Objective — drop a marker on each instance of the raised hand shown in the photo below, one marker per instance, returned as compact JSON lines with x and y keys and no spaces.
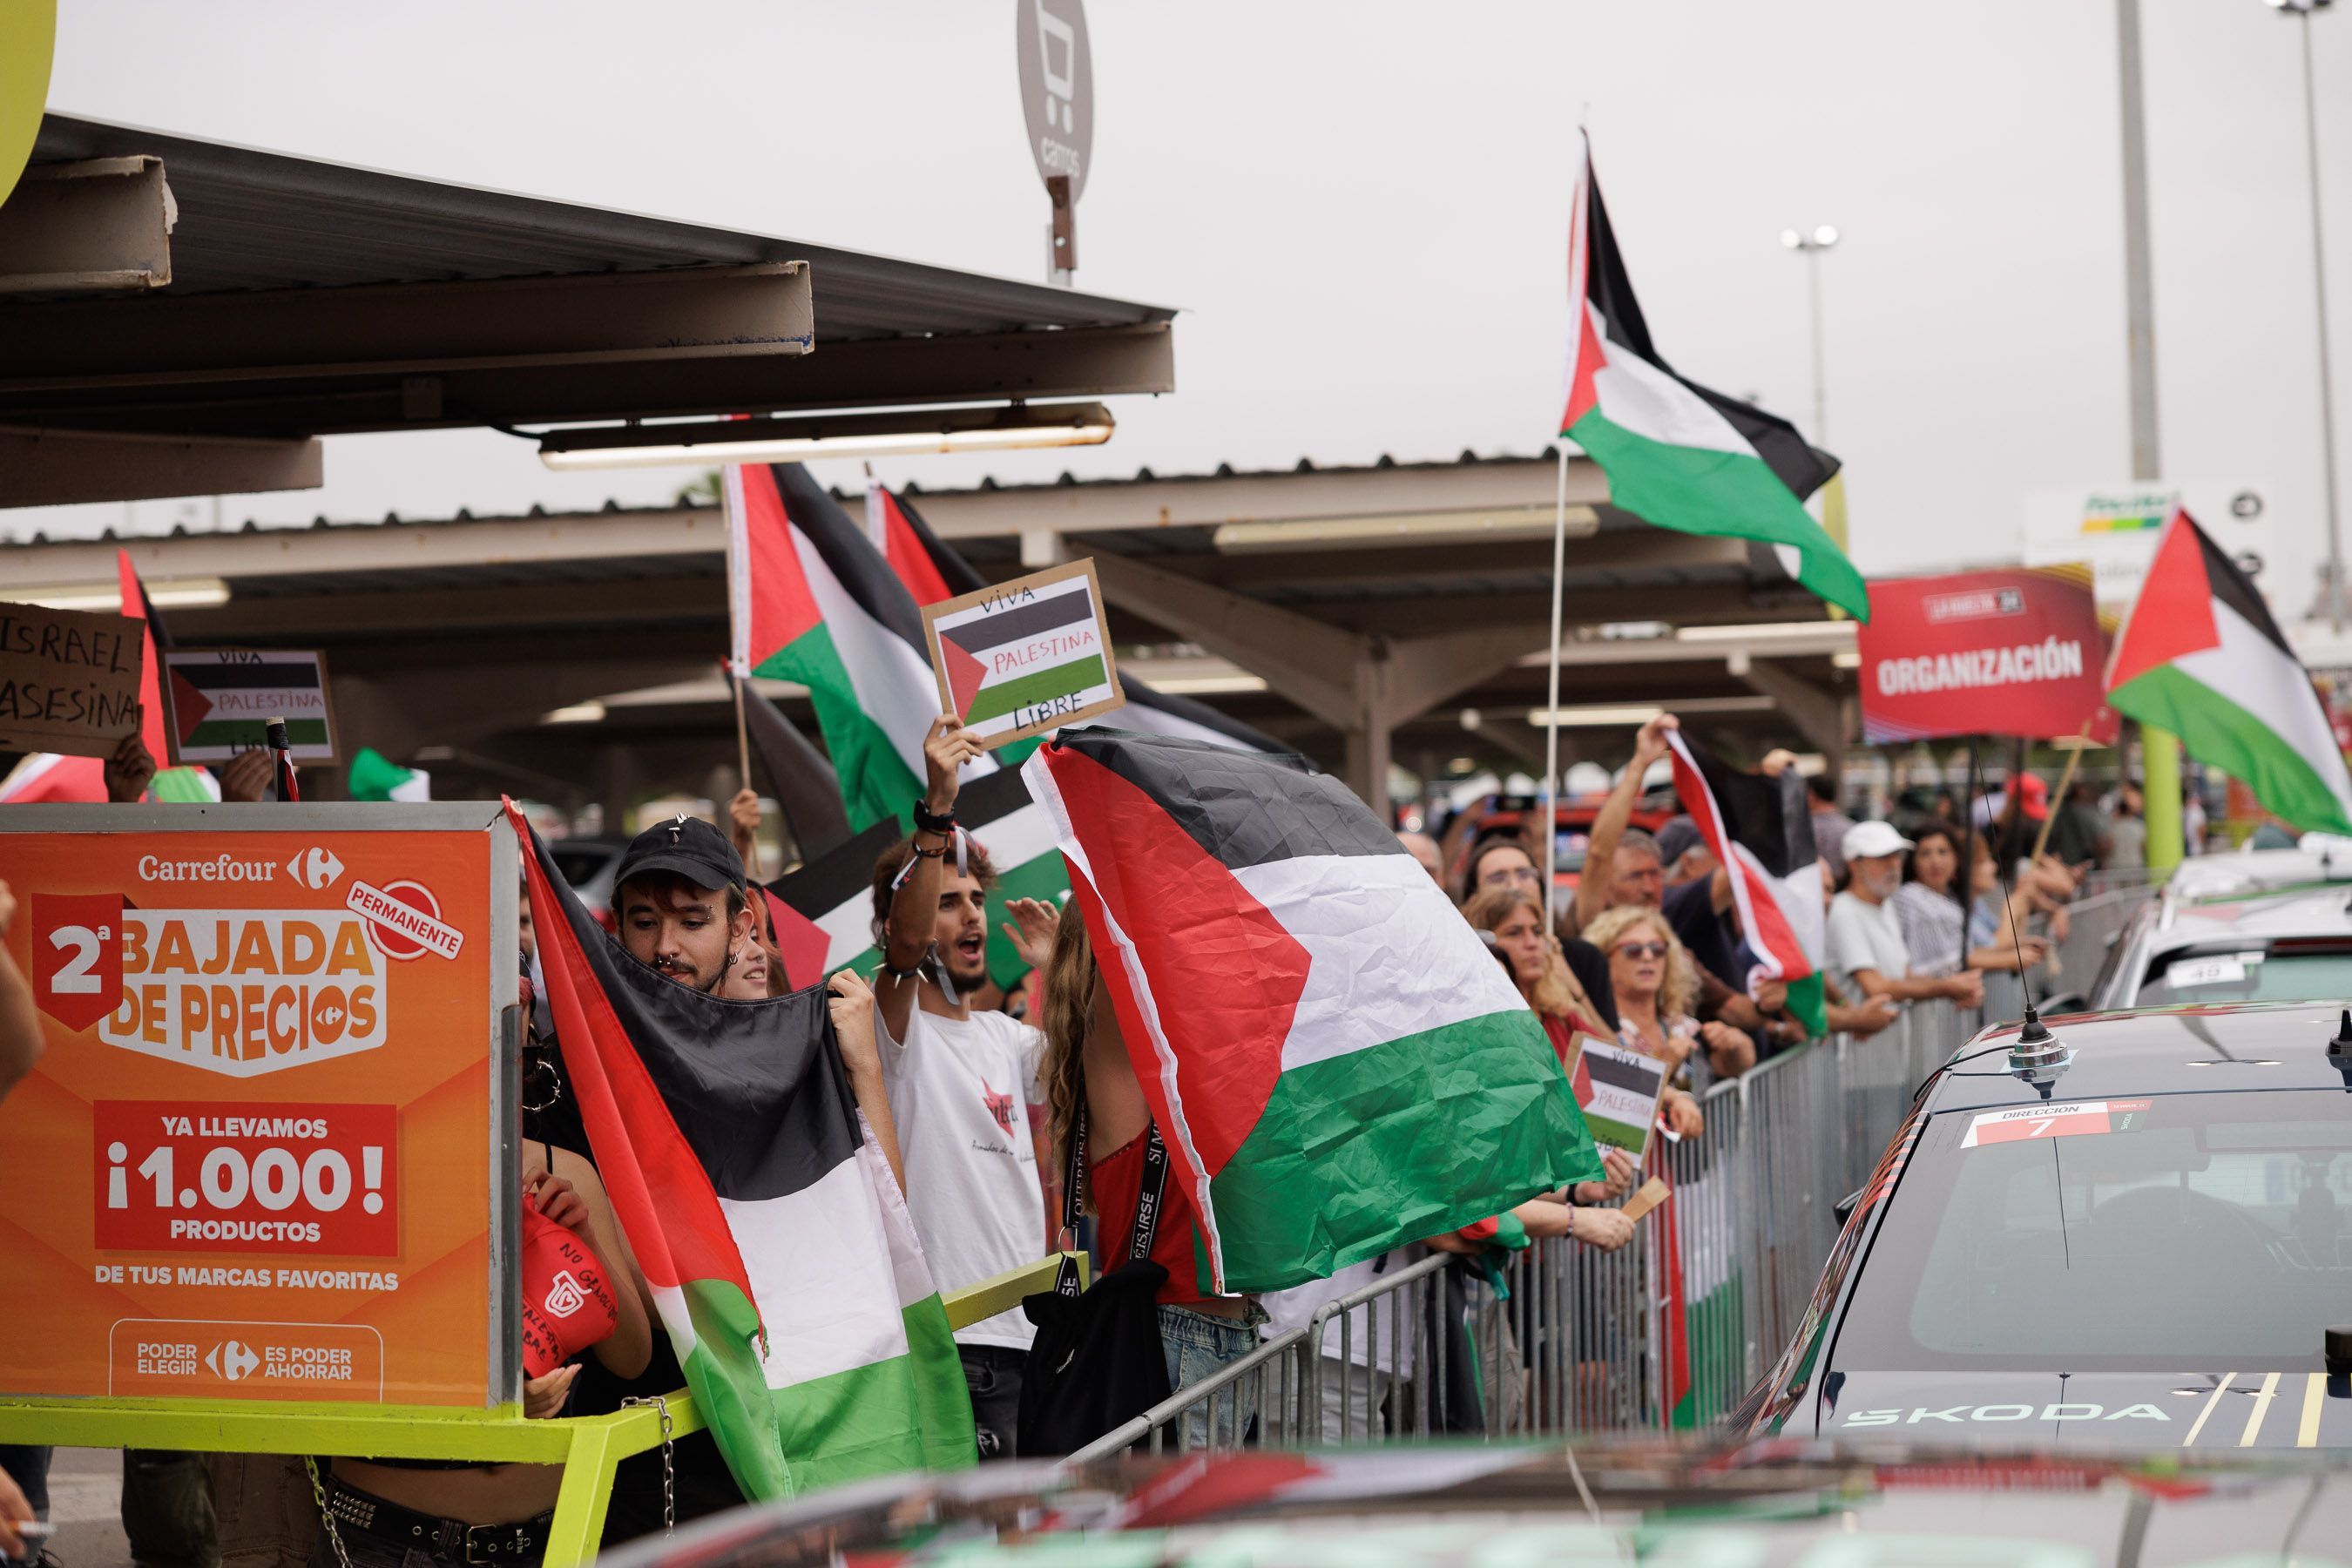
{"x":129,"y":771}
{"x":945,"y":748}
{"x":1031,"y":928}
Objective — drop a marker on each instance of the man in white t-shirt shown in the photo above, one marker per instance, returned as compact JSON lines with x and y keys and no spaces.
{"x":961,"y":1080}
{"x":1866,"y":952}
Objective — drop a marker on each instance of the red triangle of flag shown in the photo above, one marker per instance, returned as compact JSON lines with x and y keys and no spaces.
{"x":2174,"y":613}
{"x":800,"y":941}
{"x":965,"y":674}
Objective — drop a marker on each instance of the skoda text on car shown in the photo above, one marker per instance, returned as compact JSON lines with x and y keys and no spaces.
{"x":2149,"y":1248}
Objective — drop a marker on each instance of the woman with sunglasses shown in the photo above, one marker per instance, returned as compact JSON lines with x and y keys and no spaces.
{"x":1655,"y":982}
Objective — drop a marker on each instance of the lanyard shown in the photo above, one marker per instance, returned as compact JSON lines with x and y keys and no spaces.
{"x":1151,"y":1191}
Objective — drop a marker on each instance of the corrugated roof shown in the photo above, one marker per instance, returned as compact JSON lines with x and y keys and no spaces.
{"x":254,"y":219}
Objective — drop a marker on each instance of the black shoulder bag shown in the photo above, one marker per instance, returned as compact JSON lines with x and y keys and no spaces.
{"x":1096,"y":1362}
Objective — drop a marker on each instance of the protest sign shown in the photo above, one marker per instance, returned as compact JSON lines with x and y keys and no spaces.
{"x":1647,"y":1196}
{"x":221,"y":700}
{"x":1618,"y":1090}
{"x":256,"y":1159}
{"x":2012,"y":652}
{"x":1024,"y":656}
{"x":68,"y":679}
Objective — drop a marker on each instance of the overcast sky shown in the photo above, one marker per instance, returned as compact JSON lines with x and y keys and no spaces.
{"x":1361,"y":207}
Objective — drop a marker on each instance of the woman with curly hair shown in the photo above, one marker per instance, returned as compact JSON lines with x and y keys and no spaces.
{"x":1656,"y":984}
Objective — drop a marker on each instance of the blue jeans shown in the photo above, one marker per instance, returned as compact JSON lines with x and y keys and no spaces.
{"x":1198,"y":1346}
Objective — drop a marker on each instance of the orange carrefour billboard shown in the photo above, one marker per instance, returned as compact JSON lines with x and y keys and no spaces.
{"x":254,"y":1161}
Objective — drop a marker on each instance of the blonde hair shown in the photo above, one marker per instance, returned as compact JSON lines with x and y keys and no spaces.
{"x":1679,"y":994}
{"x":1557,"y":994}
{"x":1067,"y":1012}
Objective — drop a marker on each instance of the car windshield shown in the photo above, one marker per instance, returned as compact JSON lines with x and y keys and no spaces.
{"x":2168,"y":1233}
{"x":2314,"y":971}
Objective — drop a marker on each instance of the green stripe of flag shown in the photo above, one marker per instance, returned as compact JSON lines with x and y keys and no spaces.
{"x":1349,"y":1142}
{"x":2222,"y":733}
{"x":874,"y":782}
{"x":884,"y":1417}
{"x":1060,"y":680}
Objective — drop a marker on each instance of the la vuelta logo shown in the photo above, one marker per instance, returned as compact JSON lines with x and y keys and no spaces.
{"x":237,"y":992}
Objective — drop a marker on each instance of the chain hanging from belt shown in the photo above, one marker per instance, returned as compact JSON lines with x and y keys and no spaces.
{"x":326,"y":1513}
{"x":670,"y":1462}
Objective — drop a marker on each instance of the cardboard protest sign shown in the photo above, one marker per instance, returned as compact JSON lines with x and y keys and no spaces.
{"x":1024,"y":656}
{"x":1647,"y":1196}
{"x":221,"y":700}
{"x":1618,"y":1090}
{"x":68,"y":679}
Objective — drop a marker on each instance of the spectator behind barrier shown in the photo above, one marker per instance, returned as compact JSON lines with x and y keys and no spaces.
{"x":1934,"y":919}
{"x":1655,"y":982}
{"x":1087,"y":1066}
{"x":962,"y":1078}
{"x":1539,"y":966}
{"x":1866,"y":951}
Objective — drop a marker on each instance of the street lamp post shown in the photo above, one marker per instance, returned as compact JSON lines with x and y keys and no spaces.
{"x":1811,"y":245}
{"x":2301,"y":10}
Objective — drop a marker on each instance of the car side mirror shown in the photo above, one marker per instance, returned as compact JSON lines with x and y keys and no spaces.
{"x":2066,"y":1002}
{"x":1843,"y":1208}
{"x":2336,"y":1345}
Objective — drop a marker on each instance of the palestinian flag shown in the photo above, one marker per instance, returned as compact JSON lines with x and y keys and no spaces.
{"x":44,"y":777}
{"x":770,"y":1229}
{"x":225,"y":704}
{"x":1762,"y":830}
{"x":1679,"y":455}
{"x":806,"y":789}
{"x":374,"y":777}
{"x":812,"y":601}
{"x":823,"y":912}
{"x":2198,"y":655}
{"x":1335,"y":1058}
{"x":932,"y":571}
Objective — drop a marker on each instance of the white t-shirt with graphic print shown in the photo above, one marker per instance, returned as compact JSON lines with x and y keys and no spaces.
{"x":961,"y":1093}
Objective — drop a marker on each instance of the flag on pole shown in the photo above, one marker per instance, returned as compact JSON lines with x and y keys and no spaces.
{"x":2198,"y":655}
{"x":807,"y":789}
{"x":374,"y":777}
{"x":813,"y":602}
{"x":1679,"y":455}
{"x":773,"y":1237}
{"x":1335,"y":1061}
{"x":1761,"y":830}
{"x":933,"y":571}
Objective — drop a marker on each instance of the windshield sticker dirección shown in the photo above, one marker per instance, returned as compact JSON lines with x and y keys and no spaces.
{"x":2079,"y":1119}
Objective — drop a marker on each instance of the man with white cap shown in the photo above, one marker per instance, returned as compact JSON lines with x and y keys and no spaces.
{"x":1866,"y":951}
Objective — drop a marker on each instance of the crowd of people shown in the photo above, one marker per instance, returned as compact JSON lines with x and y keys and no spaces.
{"x":989,"y":1105}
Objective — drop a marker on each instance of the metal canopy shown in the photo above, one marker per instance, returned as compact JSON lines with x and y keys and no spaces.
{"x":298,"y":290}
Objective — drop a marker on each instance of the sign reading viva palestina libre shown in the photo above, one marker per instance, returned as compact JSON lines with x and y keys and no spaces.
{"x":2017,"y":652}
{"x":252,"y":1163}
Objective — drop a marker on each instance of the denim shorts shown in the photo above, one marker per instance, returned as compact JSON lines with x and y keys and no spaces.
{"x":1198,"y":1346}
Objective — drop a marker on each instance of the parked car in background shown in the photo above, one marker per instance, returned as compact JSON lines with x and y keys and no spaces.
{"x":2255,"y":926}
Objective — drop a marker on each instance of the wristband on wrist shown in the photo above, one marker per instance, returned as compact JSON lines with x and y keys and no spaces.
{"x":926,"y":821}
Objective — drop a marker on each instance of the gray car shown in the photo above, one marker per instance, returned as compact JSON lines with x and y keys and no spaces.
{"x":2265,"y":926}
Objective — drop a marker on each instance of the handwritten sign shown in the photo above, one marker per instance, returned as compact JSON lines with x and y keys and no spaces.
{"x":221,"y":700}
{"x":68,"y":679}
{"x":1619,"y":1091}
{"x":1024,"y":656}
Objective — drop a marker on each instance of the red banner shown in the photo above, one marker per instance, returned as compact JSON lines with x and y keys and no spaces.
{"x":2015,"y":652}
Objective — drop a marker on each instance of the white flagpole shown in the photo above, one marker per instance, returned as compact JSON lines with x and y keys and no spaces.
{"x":1551,"y":714}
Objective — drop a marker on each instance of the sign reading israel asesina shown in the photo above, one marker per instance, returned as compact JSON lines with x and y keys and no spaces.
{"x":2010,"y":652}
{"x":1024,"y":656}
{"x":254,"y":1160}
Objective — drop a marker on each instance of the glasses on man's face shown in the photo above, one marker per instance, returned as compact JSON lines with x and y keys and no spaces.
{"x":1641,"y":950}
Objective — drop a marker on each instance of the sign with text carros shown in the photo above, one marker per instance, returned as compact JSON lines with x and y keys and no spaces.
{"x":2015,"y":652}
{"x":255,"y":1160}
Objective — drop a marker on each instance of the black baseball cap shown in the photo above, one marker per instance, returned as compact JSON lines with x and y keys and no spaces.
{"x":685,"y":846}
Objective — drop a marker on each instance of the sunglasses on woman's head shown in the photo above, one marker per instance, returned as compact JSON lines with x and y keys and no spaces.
{"x":1640,"y":949}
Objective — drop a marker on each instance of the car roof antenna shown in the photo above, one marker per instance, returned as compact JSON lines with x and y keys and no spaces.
{"x":2037,"y":1057}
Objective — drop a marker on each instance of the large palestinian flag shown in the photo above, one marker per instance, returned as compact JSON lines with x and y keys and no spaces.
{"x":770,"y":1229}
{"x":2198,"y":655}
{"x":1336,"y":1061}
{"x":933,"y":571}
{"x":1679,"y":455}
{"x":1761,"y":829}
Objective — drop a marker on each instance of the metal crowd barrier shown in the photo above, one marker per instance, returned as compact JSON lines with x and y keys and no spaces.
{"x":1669,"y":1330}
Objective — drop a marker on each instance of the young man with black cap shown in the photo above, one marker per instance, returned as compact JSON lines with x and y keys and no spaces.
{"x":683,"y":908}
{"x":962,"y":1079}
